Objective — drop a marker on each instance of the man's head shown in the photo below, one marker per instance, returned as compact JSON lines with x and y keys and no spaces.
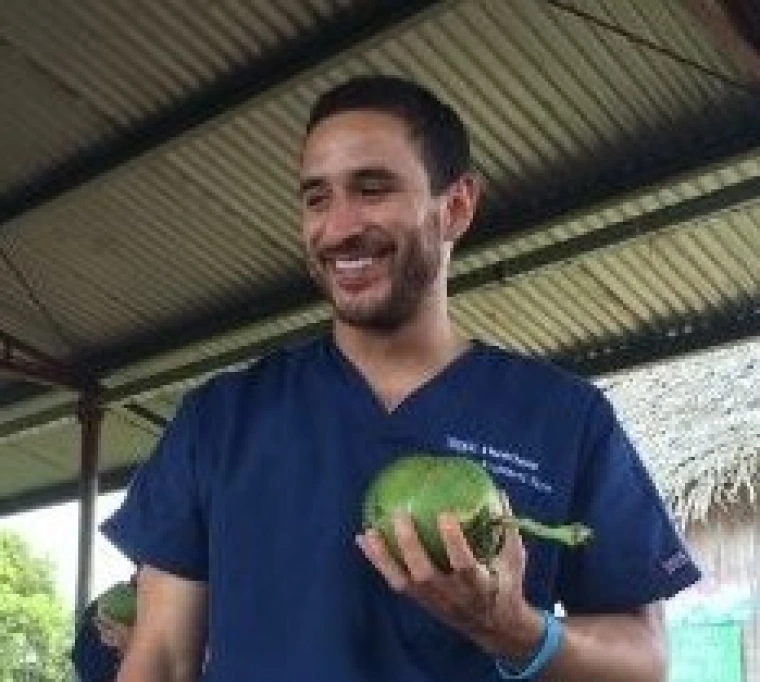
{"x":386,"y":190}
{"x":434,"y":127}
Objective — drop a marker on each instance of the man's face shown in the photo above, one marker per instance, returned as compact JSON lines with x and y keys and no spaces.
{"x":373,"y":232}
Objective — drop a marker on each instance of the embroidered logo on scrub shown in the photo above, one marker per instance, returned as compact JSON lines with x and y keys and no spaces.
{"x":675,"y":562}
{"x":502,"y":463}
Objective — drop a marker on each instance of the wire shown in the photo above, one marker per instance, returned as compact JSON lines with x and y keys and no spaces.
{"x":654,"y":47}
{"x":41,"y":307}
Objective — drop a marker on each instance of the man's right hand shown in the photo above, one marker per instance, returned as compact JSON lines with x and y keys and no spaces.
{"x":112,"y":633}
{"x":169,"y":637}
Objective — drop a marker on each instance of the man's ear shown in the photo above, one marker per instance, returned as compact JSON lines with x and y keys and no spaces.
{"x":460,"y":202}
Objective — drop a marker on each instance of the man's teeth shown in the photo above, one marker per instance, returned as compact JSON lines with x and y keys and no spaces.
{"x":354,"y":264}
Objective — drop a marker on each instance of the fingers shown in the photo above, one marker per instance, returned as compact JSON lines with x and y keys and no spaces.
{"x":461,"y":558}
{"x":105,"y":620}
{"x":100,"y":625}
{"x":107,"y":635}
{"x":471,"y":597}
{"x":111,"y":632}
{"x":510,"y":564}
{"x":413,"y":554}
{"x":464,"y":597}
{"x":512,"y":538}
{"x":415,"y":564}
{"x":374,"y":549}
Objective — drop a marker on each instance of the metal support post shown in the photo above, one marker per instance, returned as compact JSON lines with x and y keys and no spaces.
{"x":90,"y":415}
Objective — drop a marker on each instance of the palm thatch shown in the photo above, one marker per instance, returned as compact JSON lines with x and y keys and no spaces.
{"x":697,"y":424}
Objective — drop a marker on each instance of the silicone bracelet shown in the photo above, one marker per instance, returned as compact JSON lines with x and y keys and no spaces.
{"x":551,"y":640}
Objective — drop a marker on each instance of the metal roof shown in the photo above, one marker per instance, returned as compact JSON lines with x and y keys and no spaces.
{"x":148,"y":216}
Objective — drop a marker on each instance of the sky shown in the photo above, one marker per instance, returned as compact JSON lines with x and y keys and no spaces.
{"x":52,"y":532}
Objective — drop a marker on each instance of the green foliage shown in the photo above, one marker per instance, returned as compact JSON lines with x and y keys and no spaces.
{"x":35,"y":629}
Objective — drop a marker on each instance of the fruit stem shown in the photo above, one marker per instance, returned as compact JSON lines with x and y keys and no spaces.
{"x":572,"y":534}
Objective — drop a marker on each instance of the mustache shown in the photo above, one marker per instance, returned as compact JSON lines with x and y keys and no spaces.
{"x":368,"y":243}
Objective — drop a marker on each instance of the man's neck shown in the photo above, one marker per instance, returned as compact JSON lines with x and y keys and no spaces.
{"x":396,"y":363}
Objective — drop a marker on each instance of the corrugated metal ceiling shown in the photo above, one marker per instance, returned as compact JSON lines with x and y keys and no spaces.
{"x":654,"y":285}
{"x":92,"y":70}
{"x":165,"y":259}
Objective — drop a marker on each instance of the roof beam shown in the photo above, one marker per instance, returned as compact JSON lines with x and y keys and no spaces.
{"x":18,"y":368}
{"x":155,"y":423}
{"x":65,"y":491}
{"x":727,"y":198}
{"x":126,"y":394}
{"x":677,"y":340}
{"x":20,"y":361}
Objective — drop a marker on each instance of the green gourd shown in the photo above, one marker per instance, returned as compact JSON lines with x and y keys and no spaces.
{"x":424,"y":485}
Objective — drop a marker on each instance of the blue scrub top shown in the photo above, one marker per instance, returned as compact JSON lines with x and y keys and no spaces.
{"x":256,"y":488}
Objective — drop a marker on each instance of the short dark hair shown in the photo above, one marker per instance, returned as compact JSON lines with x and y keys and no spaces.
{"x":434,"y":126}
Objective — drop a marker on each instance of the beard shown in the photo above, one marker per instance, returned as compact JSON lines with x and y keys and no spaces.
{"x":414,"y":265}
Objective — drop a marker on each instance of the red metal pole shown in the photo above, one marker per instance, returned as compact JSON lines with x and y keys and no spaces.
{"x":90,"y":414}
{"x":21,"y":361}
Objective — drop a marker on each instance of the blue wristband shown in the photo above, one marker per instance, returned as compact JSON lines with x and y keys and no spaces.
{"x":549,"y":645}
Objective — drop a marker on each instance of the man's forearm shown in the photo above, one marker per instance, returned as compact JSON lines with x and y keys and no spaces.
{"x":152,"y":666}
{"x":611,"y":648}
{"x":626,"y":647}
{"x":169,"y":638}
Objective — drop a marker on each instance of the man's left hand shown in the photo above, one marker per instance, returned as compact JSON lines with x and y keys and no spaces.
{"x":483,"y":602}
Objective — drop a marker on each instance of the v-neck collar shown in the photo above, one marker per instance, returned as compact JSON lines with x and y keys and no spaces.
{"x":361,"y":387}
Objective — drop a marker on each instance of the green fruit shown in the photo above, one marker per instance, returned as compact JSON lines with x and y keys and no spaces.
{"x":424,"y":486}
{"x":119,"y":603}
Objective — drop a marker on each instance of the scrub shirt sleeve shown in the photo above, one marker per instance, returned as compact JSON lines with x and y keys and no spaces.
{"x":162,"y":521}
{"x":637,"y":555}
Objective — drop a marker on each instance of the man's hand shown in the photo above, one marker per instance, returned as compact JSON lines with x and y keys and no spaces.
{"x":485,"y":603}
{"x":112,"y":633}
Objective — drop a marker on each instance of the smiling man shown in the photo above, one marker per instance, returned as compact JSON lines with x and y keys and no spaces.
{"x":247,"y":516}
{"x":372,"y":241}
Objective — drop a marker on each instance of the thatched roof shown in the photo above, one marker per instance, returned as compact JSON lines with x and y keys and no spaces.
{"x":697,"y":423}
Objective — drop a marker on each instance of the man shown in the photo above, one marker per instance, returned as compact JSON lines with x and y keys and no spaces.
{"x":247,"y":516}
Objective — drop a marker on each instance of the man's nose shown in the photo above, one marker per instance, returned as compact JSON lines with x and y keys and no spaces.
{"x":342,"y":219}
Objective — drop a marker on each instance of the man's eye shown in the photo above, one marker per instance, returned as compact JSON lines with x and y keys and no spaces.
{"x":314,"y":200}
{"x":374,"y":188}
